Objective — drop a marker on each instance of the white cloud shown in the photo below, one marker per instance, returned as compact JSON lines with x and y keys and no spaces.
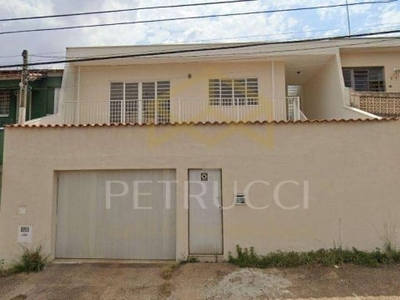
{"x":288,"y":25}
{"x":390,"y":16}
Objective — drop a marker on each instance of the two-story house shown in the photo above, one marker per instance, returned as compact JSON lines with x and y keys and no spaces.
{"x":160,"y":152}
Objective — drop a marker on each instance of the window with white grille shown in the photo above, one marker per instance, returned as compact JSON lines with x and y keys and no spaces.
{"x":163,"y":101}
{"x":233,"y":92}
{"x":4,"y":103}
{"x":367,"y":79}
{"x":140,"y":102}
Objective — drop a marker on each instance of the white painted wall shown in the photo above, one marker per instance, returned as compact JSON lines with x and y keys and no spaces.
{"x":92,"y":83}
{"x":324,"y":95}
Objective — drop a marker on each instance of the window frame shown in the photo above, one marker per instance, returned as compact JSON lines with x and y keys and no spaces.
{"x":220,"y":88}
{"x":159,"y":105}
{"x":371,"y":84}
{"x":6,"y":97}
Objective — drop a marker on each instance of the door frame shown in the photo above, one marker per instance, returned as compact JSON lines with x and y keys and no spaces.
{"x":221,"y":210}
{"x":56,"y":199}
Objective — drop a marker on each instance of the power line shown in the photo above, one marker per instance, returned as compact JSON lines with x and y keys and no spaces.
{"x":44,"y":57}
{"x":212,"y":48}
{"x":231,"y":57}
{"x":117,"y":67}
{"x":121,"y":10}
{"x":197,"y":17}
{"x":42,"y":54}
{"x":264,"y":35}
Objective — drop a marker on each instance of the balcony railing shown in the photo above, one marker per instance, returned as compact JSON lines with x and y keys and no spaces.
{"x":377,"y":103}
{"x":161,"y":111}
{"x":293,"y":108}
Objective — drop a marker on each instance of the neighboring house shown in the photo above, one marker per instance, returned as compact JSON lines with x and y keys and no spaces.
{"x":373,"y":75}
{"x":159,"y":152}
{"x":42,"y":96}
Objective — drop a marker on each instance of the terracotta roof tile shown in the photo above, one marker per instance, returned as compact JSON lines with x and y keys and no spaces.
{"x":201,"y":123}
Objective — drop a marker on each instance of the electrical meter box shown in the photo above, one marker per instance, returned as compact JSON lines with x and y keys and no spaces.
{"x":25,"y":234}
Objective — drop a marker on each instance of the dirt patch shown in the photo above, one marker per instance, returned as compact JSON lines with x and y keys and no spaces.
{"x":249,"y":284}
{"x":201,"y":281}
{"x":86,"y":282}
{"x":19,"y":297}
{"x":190,"y":281}
{"x":345,"y":281}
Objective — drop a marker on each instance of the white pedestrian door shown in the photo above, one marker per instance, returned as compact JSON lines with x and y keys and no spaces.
{"x":205,"y":212}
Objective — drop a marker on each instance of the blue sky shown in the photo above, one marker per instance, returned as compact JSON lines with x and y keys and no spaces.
{"x":266,"y":27}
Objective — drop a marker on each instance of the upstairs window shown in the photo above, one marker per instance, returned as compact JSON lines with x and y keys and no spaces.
{"x":140,"y":102}
{"x":365,"y":79}
{"x":233,"y":92}
{"x":4,"y":103}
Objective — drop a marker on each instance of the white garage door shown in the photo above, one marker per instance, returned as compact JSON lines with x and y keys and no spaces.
{"x":116,"y":214}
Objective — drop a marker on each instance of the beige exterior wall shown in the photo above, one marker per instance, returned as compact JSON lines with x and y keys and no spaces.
{"x":188,"y":95}
{"x":352,"y":178}
{"x":388,"y":60}
{"x":324,"y":95}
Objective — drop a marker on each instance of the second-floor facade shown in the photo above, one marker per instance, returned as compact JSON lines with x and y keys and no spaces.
{"x":226,"y":82}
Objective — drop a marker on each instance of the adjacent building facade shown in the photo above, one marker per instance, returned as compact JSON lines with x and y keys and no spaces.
{"x":42,"y":100}
{"x":160,"y":152}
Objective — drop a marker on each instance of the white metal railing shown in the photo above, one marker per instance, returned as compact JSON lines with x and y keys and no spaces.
{"x":293,"y":108}
{"x":174,"y":110}
{"x":378,"y":103}
{"x":303,"y":116}
{"x":164,"y":111}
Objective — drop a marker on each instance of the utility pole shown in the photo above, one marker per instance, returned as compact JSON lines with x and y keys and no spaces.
{"x":23,"y":89}
{"x":348,"y":18}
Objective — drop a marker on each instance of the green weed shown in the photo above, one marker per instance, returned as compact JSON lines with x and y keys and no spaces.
{"x":324,"y":257}
{"x":31,"y":260}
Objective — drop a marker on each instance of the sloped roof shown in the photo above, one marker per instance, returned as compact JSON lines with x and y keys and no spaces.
{"x":201,"y":123}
